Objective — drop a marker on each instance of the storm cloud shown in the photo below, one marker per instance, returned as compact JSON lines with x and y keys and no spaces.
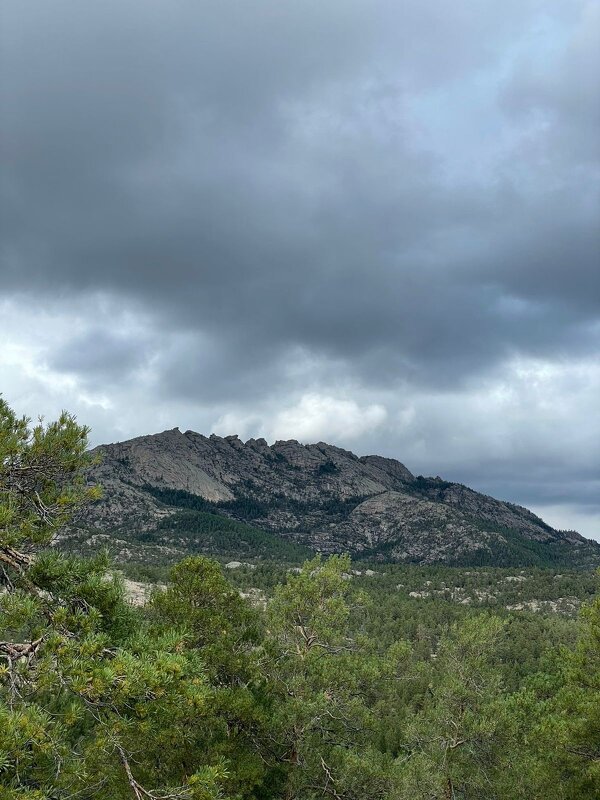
{"x":374,"y":223}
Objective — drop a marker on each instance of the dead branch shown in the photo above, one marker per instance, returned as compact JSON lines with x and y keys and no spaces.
{"x":139,"y":792}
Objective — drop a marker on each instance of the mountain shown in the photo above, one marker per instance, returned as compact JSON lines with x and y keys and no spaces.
{"x":173,"y":493}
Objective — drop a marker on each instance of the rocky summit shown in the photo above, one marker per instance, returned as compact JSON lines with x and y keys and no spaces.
{"x":173,"y":493}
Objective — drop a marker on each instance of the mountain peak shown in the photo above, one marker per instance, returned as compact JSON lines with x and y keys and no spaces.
{"x":318,"y":495}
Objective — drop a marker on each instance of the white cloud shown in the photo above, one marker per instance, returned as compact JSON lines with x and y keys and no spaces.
{"x":322,"y":416}
{"x":314,"y":416}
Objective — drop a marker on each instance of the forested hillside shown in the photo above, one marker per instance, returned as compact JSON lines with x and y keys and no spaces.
{"x":273,"y":682}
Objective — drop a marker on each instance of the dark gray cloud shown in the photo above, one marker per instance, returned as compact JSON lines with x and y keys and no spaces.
{"x":378,"y":200}
{"x":102,"y":355}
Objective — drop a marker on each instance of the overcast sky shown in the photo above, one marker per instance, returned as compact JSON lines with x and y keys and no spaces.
{"x":371,"y":222}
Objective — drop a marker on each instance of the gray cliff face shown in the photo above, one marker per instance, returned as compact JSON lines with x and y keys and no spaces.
{"x":317,"y":495}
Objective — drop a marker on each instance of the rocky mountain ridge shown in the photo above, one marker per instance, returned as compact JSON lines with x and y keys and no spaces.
{"x":168,"y":487}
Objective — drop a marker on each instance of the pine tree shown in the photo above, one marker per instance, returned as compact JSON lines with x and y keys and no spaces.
{"x":459,"y":742}
{"x":89,"y":703}
{"x":326,"y":685}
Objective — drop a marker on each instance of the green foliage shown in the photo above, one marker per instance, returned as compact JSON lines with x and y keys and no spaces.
{"x":213,"y":533}
{"x":571,"y":725}
{"x":515,"y":550}
{"x":204,"y":528}
{"x":328,"y":468}
{"x":458,"y":741}
{"x":334,"y":684}
{"x":326,"y":686}
{"x":90,"y":701}
{"x":41,"y":478}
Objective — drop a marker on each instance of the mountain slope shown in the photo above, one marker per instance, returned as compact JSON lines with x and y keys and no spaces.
{"x":316,"y":495}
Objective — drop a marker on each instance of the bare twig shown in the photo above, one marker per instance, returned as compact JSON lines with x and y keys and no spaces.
{"x":139,"y":792}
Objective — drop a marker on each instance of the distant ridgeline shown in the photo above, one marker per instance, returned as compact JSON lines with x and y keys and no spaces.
{"x":176,"y":493}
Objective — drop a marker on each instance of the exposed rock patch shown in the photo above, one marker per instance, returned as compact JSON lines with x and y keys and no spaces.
{"x":317,"y":495}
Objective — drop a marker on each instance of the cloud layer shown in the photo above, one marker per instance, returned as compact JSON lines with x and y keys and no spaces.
{"x":370,"y":223}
